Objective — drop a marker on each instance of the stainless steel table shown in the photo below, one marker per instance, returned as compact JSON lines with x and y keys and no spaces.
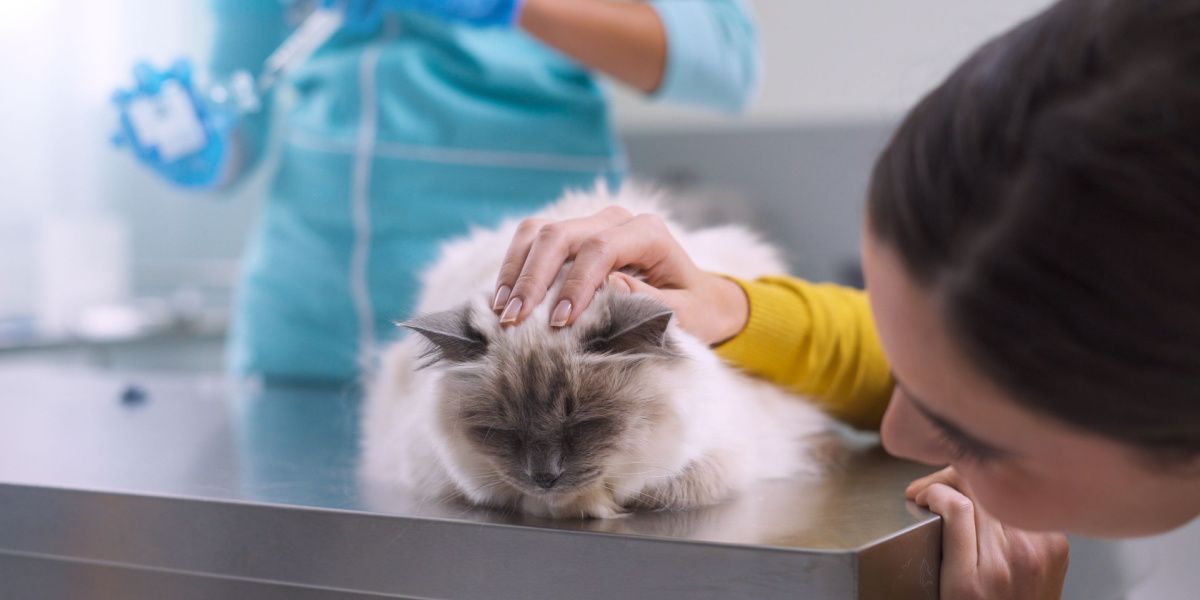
{"x":194,"y":487}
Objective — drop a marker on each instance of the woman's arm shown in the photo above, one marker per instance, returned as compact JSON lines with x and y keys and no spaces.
{"x":247,"y":31}
{"x":692,"y":51}
{"x":623,"y":40}
{"x":819,"y":340}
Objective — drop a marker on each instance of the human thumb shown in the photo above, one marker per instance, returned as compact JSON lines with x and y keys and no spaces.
{"x":627,"y":284}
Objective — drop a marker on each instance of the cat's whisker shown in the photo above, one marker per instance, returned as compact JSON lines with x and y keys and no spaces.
{"x":643,"y":465}
{"x":639,"y":494}
{"x":649,"y":476}
{"x":656,"y":471}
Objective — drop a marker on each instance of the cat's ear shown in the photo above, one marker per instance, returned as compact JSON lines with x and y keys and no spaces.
{"x":635,"y":325}
{"x":451,"y":336}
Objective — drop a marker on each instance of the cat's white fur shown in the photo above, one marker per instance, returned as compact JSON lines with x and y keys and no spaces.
{"x":740,"y":429}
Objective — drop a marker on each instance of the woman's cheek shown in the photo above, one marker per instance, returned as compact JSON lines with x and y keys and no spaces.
{"x":1009,"y":496}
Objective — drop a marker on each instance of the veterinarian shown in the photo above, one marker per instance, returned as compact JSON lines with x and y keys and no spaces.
{"x":1033,"y":316}
{"x":424,"y":116}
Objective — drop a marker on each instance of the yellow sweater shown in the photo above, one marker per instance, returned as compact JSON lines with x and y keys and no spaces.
{"x":818,"y":340}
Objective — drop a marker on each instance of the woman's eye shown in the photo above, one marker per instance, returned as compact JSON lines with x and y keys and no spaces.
{"x":964,"y":452}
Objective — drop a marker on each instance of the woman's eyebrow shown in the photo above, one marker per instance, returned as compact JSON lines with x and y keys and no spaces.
{"x":953,"y":430}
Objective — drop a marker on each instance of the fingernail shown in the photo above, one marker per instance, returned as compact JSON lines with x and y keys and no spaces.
{"x":511,"y":311}
{"x":562,"y":312}
{"x":501,"y":297}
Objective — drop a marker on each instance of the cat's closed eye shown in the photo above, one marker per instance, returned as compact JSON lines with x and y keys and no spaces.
{"x":495,"y":437}
{"x":592,"y":431}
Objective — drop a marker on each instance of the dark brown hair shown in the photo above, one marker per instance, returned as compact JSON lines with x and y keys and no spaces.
{"x":1048,"y":194}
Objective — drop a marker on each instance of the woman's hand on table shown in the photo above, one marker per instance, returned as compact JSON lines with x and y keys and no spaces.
{"x":981,"y":557}
{"x":605,"y":247}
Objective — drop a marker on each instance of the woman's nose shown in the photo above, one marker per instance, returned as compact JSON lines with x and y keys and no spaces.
{"x":907,"y":434}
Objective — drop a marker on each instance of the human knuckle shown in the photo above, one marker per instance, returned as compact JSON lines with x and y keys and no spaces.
{"x":1024,"y":557}
{"x":507,"y":275}
{"x":573,"y":284}
{"x":597,"y":246}
{"x":551,"y":233}
{"x":530,"y":226}
{"x":616,"y":211}
{"x":962,"y":506}
{"x":1052,"y":555}
{"x":1058,"y":546}
{"x":651,"y":221}
{"x":526,"y":282}
{"x":951,"y":505}
{"x":950,"y":477}
{"x":513,"y":261}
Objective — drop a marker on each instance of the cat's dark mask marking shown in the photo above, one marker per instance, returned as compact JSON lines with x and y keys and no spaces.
{"x":551,"y":406}
{"x":451,"y":335}
{"x":635,"y":325}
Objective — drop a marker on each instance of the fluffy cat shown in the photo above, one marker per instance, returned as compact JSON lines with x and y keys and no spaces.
{"x":621,"y":411}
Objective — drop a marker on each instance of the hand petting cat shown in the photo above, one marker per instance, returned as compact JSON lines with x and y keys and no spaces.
{"x":611,"y":245}
{"x":983,"y":558}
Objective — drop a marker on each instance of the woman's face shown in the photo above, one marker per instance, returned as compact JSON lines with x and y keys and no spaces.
{"x":1029,"y":470}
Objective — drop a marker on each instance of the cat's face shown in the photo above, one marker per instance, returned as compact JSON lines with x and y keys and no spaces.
{"x":550,"y":411}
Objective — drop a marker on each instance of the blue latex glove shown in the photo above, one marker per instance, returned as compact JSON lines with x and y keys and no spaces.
{"x":363,"y":14}
{"x":170,"y":128}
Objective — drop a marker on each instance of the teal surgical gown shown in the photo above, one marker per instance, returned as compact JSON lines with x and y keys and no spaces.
{"x":395,"y":138}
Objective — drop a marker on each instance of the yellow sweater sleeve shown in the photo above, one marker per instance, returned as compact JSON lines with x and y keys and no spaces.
{"x":818,"y":340}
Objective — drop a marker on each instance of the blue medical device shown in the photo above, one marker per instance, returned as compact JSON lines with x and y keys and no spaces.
{"x":180,"y":127}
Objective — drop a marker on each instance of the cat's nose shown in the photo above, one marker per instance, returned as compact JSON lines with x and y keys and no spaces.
{"x":546,"y":480}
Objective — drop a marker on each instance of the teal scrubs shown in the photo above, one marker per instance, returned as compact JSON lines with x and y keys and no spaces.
{"x":394,"y":139}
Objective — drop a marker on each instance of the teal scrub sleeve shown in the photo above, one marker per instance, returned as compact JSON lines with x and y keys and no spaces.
{"x":712,"y":53}
{"x":247,"y":32}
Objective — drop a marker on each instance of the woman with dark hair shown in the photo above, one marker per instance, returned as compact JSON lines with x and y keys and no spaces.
{"x":1033,"y":316}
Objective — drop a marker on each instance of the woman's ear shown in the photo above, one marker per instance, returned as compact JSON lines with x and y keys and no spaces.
{"x":451,"y":336}
{"x":633,"y":325}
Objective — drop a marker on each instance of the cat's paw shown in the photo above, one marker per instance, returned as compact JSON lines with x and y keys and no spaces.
{"x":536,"y":507}
{"x":590,"y":505}
{"x":593,"y":505}
{"x":595,"y":511}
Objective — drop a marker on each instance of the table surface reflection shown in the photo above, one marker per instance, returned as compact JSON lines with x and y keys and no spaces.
{"x":206,"y":438}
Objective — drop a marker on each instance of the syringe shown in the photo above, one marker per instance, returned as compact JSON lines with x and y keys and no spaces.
{"x":316,"y":29}
{"x":169,"y":118}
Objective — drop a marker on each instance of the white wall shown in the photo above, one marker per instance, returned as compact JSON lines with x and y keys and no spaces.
{"x":60,"y":61}
{"x":847,"y":60}
{"x":850,"y":60}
